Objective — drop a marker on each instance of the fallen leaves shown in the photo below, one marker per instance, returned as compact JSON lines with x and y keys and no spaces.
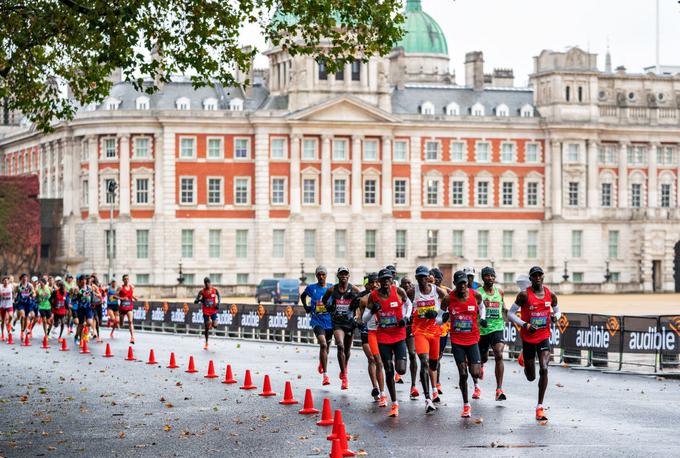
{"x":169,"y":405}
{"x":167,"y":428}
{"x":361,"y":452}
{"x":559,"y":385}
{"x":121,"y":435}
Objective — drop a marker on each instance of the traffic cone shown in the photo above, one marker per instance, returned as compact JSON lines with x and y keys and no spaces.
{"x":45,"y":344}
{"x":248,"y":382}
{"x":288,"y":395}
{"x":228,"y":377}
{"x":326,"y":415}
{"x":10,"y":339}
{"x":84,"y":349}
{"x":337,"y":421}
{"x":342,"y":438}
{"x":335,"y":449}
{"x":211,"y":371}
{"x":108,"y":353}
{"x":267,"y":389}
{"x":130,"y":355}
{"x":192,"y":368}
{"x":173,"y":364}
{"x":63,"y":345}
{"x":152,"y":358}
{"x":27,"y":343}
{"x":308,"y":408}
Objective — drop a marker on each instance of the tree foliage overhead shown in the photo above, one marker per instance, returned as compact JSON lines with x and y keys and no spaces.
{"x":46,"y":43}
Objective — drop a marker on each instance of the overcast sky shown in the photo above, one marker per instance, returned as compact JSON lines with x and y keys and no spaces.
{"x":511,"y":32}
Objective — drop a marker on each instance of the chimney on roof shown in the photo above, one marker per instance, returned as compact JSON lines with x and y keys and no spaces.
{"x":474,"y":70}
{"x":503,"y":77}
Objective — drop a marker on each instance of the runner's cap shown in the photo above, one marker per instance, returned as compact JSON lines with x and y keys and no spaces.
{"x":488,"y":271}
{"x":459,"y":277}
{"x":436,"y":273}
{"x":34,"y":278}
{"x":384,"y":273}
{"x":469,"y":271}
{"x":57,"y":278}
{"x":373,"y":276}
{"x":535,"y":270}
{"x":523,"y":282}
{"x":321,"y":270}
{"x":342,"y":269}
{"x":422,"y":271}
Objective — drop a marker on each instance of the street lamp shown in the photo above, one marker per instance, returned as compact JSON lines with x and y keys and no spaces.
{"x":303,"y":277}
{"x":180,"y":278}
{"x":565,"y":276}
{"x":607,"y":273}
{"x":111,"y":197}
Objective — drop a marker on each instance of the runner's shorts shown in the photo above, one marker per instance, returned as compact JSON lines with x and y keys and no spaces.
{"x":84,"y":313}
{"x":427,"y":345}
{"x":373,"y":343}
{"x":461,"y":352}
{"x":212,"y":317}
{"x":112,"y":307}
{"x":489,"y":341}
{"x":47,"y":313}
{"x":321,"y":331}
{"x":530,"y":350}
{"x":395,"y":350}
{"x":6,"y":311}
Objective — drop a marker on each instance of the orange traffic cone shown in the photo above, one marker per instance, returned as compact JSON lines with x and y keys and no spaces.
{"x":84,"y":349}
{"x":308,"y":408}
{"x":288,"y":395}
{"x":337,"y":421}
{"x":27,"y":343}
{"x":192,"y":368}
{"x":10,"y":339}
{"x":326,"y":415}
{"x":107,"y":353}
{"x":335,"y":449}
{"x":342,"y":438}
{"x":173,"y":364}
{"x":211,"y":371}
{"x":130,"y":355}
{"x":248,"y":382}
{"x":229,"y":377}
{"x":64,"y":347}
{"x":267,"y":389}
{"x":152,"y":358}
{"x":45,"y":344}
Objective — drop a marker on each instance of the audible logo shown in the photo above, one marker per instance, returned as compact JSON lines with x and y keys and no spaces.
{"x":652,"y":340}
{"x":595,"y":337}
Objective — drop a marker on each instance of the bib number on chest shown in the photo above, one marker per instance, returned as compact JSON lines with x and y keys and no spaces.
{"x":539,"y":322}
{"x":493,"y":310}
{"x":389,"y":321}
{"x":462,"y":325}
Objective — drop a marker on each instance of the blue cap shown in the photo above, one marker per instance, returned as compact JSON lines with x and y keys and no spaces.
{"x":422,"y":271}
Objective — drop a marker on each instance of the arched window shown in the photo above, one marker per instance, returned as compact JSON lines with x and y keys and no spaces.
{"x":142,"y":103}
{"x":111,"y":103}
{"x":452,"y":109}
{"x":502,"y":110}
{"x":527,"y":111}
{"x":477,"y":109}
{"x":427,"y":108}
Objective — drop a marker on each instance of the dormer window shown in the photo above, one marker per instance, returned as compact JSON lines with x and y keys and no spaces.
{"x":427,"y":108}
{"x":210,"y":104}
{"x":111,"y":103}
{"x":477,"y":109}
{"x":236,"y":104}
{"x":527,"y":111}
{"x":183,"y":103}
{"x":142,"y":103}
{"x":502,"y":110}
{"x":452,"y":109}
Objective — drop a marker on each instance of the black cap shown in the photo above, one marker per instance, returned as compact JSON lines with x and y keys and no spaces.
{"x":206,"y":280}
{"x":535,"y":270}
{"x":436,"y":273}
{"x":373,"y":276}
{"x":488,"y":270}
{"x":422,"y":271}
{"x":391,"y":268}
{"x":342,"y":269}
{"x":82,"y":277}
{"x":384,"y":273}
{"x":459,"y":277}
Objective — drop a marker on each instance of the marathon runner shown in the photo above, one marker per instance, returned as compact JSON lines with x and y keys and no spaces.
{"x":389,"y":304}
{"x":23,"y":301}
{"x":43,"y":293}
{"x":70,"y":285}
{"x":97,"y":301}
{"x":341,"y":301}
{"x":320,"y":319}
{"x":82,"y":306}
{"x":406,"y":285}
{"x":127,"y":297}
{"x":112,"y":306}
{"x":6,"y":306}
{"x":209,"y":298}
{"x":437,"y":277}
{"x":369,"y":342}
{"x":427,"y":313}
{"x":491,"y":337}
{"x":464,"y":306}
{"x":470,"y":272}
{"x":536,"y":305}
{"x":59,"y":300}
{"x":34,"y":316}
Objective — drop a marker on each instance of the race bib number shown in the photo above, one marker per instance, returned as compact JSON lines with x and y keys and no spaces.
{"x":125,"y":303}
{"x":209,"y":303}
{"x":60,"y":304}
{"x":462,"y":325}
{"x":389,"y":321}
{"x":493,"y":310}
{"x":539,"y":322}
{"x":342,"y":307}
{"x":320,"y":308}
{"x":25,"y":293}
{"x":423,"y":310}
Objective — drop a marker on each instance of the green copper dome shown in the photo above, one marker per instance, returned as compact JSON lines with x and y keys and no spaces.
{"x":422,"y":34}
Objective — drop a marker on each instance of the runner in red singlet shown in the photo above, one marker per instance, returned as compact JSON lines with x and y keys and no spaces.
{"x":127,"y":298}
{"x":209,"y":298}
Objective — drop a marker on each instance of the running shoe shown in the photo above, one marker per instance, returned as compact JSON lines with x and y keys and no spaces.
{"x":429,"y":406}
{"x":111,"y":335}
{"x":21,"y":336}
{"x":540,"y":415}
{"x":435,"y":398}
{"x":467,"y":412}
{"x":414,"y":393}
{"x":375,"y":394}
{"x":520,"y":359}
{"x":99,"y":339}
{"x":132,"y":341}
{"x":205,"y":347}
{"x":342,"y":375}
{"x":344,"y":385}
{"x":481,"y":372}
{"x":320,"y":368}
{"x":394,"y":411}
{"x":439,"y":388}
{"x":325,"y":381}
{"x":500,"y":396}
{"x":382,"y":401}
{"x":398,"y":379}
{"x":477,"y":393}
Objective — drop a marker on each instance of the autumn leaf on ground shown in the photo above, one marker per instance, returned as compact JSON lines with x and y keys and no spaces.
{"x":23,"y":398}
{"x":479,"y":420}
{"x":167,"y":428}
{"x":169,"y":406}
{"x":121,"y":435}
{"x":559,"y":385}
{"x":361,"y":452}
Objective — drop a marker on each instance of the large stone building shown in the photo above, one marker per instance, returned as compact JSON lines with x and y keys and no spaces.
{"x":388,"y":161}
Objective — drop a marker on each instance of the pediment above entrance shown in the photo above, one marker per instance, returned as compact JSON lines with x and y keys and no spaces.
{"x":343,"y":109}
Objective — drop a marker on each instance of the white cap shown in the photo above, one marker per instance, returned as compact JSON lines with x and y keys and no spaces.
{"x":58,"y":278}
{"x":34,"y":278}
{"x":469,"y":270}
{"x":523,"y":282}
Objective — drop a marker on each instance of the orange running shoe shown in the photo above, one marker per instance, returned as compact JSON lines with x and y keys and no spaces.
{"x":540,"y":415}
{"x":394,"y":411}
{"x":477,"y":393}
{"x":382,"y":401}
{"x":325,"y":381}
{"x":414,"y":392}
{"x":467,"y":412}
{"x":344,"y":385}
{"x":397,"y":378}
{"x":439,"y":388}
{"x":435,"y":398}
{"x":205,"y":347}
{"x":320,"y":368}
{"x":500,"y":395}
{"x":520,"y":359}
{"x":111,"y":335}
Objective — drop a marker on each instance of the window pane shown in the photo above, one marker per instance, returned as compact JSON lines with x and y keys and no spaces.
{"x":613,"y":244}
{"x":400,"y":244}
{"x":340,"y":191}
{"x":187,"y":190}
{"x":457,"y":151}
{"x":508,"y":278}
{"x":636,"y":195}
{"x":400,"y":151}
{"x":573,"y":196}
{"x":370,"y":192}
{"x":483,"y":244}
{"x":241,"y":279}
{"x":457,"y":192}
{"x":142,"y":196}
{"x":241,"y":191}
{"x":242,"y":243}
{"x":606,"y":195}
{"x":483,"y":151}
{"x":507,"y":244}
{"x":532,"y":194}
{"x":507,"y":152}
{"x":340,"y":243}
{"x":400,"y":192}
{"x":109,"y":149}
{"x":370,"y":243}
{"x":432,"y":192}
{"x":458,"y":243}
{"x":309,"y":149}
{"x":508,"y":193}
{"x":278,"y":191}
{"x":666,"y":195}
{"x":142,"y":244}
{"x":278,"y":237}
{"x":431,"y":151}
{"x":214,"y":243}
{"x":187,"y":147}
{"x":142,"y":279}
{"x":483,"y":193}
{"x":340,"y":150}
{"x":187,"y":243}
{"x":310,"y":243}
{"x":532,"y":244}
{"x":278,"y":148}
{"x":241,"y":148}
{"x":576,"y":244}
{"x":309,"y":191}
{"x":370,"y":150}
{"x":214,"y":190}
{"x":215,"y":279}
{"x":432,"y":237}
{"x":531,"y":152}
{"x":142,"y":147}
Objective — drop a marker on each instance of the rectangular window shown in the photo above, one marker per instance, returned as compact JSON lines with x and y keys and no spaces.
{"x":310,"y":243}
{"x":242,"y":243}
{"x":186,"y":191}
{"x":370,"y":150}
{"x":340,"y":243}
{"x":616,"y":277}
{"x":400,"y":244}
{"x":340,"y":74}
{"x":215,"y":279}
{"x":573,"y":197}
{"x":214,"y":190}
{"x":189,"y":279}
{"x":241,"y":191}
{"x":340,"y":191}
{"x":507,"y":244}
{"x":665,"y":155}
{"x":457,"y":192}
{"x":370,"y":243}
{"x":606,"y":195}
{"x":577,"y":277}
{"x":142,"y":243}
{"x":110,"y":196}
{"x":309,"y":149}
{"x":241,"y":148}
{"x":613,"y":244}
{"x":576,"y":244}
{"x":508,"y":193}
{"x":573,"y":152}
{"x":278,"y":191}
{"x":278,"y":243}
{"x":665,"y":195}
{"x":636,"y":195}
{"x":532,"y":194}
{"x":531,"y":153}
{"x":370,"y":192}
{"x":142,"y":147}
{"x":86,"y":193}
{"x":214,"y":243}
{"x":507,"y":152}
{"x":483,"y":244}
{"x":187,"y":243}
{"x":340,"y":150}
{"x":399,"y":192}
{"x":142,"y":191}
{"x":532,"y":244}
{"x":187,"y":147}
{"x":309,"y":191}
{"x":110,"y":244}
{"x":278,"y":148}
{"x":142,"y":279}
{"x":215,"y":148}
{"x":637,"y":154}
{"x":109,"y":148}
{"x":242,"y":279}
{"x":432,"y":192}
{"x":458,"y":151}
{"x":458,"y":243}
{"x":432,"y":237}
{"x":483,"y":151}
{"x":356,"y":70}
{"x":400,"y":151}
{"x":482,"y":193}
{"x":508,"y":278}
{"x":323,"y":74}
{"x":432,"y":151}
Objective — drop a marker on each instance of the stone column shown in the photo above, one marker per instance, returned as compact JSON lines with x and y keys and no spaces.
{"x":295,"y":202}
{"x":592,"y":176}
{"x":326,"y":174}
{"x":416,"y":180}
{"x":158,"y":174}
{"x":387,"y":175}
{"x":49,"y":147}
{"x":356,"y":174}
{"x":69,"y":188}
{"x":547,"y":181}
{"x":93,"y":175}
{"x":556,"y":179}
{"x":124,"y":184}
{"x":623,"y":176}
{"x":262,"y":238}
{"x":41,"y":171}
{"x":355,"y":236}
{"x":652,"y":178}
